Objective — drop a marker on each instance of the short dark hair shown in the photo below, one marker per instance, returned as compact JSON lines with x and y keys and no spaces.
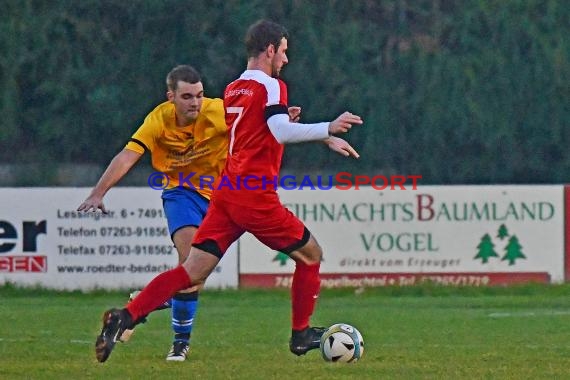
{"x":262,"y":34}
{"x":184,"y":73}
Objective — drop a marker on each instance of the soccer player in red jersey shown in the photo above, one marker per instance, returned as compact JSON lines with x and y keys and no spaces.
{"x":245,"y":198}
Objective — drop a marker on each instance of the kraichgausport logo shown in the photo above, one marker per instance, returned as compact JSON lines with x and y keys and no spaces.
{"x":340,"y":181}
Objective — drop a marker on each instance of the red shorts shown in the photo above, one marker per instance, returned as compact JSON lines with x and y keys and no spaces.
{"x":271,"y":223}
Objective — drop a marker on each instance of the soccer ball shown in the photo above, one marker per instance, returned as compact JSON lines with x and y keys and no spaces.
{"x":342,"y":343}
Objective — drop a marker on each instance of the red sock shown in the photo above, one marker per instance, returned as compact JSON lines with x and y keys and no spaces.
{"x":159,"y":290}
{"x":304,"y":293}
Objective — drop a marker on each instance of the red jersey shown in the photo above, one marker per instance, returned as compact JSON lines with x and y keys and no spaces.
{"x":252,"y":169}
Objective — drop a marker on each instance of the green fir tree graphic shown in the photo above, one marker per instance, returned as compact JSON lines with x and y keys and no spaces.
{"x":281,"y":257}
{"x":513,"y":251}
{"x":486,"y":249}
{"x":503,"y":232}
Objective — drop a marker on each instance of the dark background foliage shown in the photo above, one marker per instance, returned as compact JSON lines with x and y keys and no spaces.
{"x":457,"y":91}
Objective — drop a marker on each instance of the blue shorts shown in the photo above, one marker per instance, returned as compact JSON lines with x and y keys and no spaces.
{"x":183,"y":207}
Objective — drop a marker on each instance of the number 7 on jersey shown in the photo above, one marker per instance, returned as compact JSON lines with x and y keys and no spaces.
{"x":239,"y":112}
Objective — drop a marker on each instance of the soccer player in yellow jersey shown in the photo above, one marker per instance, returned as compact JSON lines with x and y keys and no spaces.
{"x":188,"y":141}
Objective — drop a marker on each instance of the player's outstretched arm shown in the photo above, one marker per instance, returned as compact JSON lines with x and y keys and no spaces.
{"x":119,"y":166}
{"x":286,"y":131}
{"x":341,"y":146}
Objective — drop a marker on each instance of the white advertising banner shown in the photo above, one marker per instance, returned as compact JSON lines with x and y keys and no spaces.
{"x":44,"y":241}
{"x":457,"y":235}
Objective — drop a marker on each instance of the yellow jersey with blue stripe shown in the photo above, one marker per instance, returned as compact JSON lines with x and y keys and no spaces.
{"x":192,"y":156}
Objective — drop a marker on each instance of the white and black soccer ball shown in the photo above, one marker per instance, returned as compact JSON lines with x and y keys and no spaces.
{"x":342,"y":343}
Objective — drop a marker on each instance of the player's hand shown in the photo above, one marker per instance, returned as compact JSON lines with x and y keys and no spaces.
{"x":343,"y":123}
{"x":341,"y":146}
{"x":93,"y":203}
{"x":294,"y":114}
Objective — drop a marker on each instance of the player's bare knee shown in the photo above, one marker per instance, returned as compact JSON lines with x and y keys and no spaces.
{"x":199,"y":265}
{"x":311,"y":253}
{"x":197,"y":275}
{"x":315,"y":252}
{"x":316,"y":255}
{"x":182,"y":239}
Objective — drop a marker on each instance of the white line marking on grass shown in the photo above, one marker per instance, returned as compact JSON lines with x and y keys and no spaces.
{"x":80,"y":341}
{"x":539,"y":313}
{"x":482,"y":345}
{"x":19,"y":340}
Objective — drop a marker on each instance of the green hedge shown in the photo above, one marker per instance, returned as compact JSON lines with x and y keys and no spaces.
{"x":457,"y":91}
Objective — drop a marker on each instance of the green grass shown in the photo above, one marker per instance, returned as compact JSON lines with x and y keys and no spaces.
{"x":424,"y":332}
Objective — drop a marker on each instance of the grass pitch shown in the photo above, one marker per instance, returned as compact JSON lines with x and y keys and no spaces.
{"x":409,"y":333}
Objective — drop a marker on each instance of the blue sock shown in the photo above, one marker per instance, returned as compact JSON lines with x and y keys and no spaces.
{"x":184,"y":307}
